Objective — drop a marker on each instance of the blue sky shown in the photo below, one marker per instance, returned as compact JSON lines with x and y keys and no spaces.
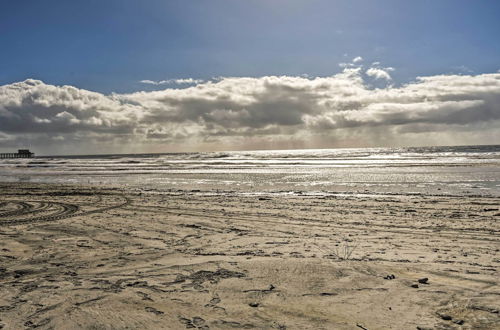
{"x":200,"y":75}
{"x":110,"y":45}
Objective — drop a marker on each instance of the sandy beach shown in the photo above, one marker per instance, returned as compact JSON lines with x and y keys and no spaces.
{"x":88,"y":257}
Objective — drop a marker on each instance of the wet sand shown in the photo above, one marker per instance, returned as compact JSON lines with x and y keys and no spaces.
{"x":82,"y":257}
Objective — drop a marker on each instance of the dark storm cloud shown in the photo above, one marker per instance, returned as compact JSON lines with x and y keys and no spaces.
{"x":292,"y":107}
{"x":34,"y":107}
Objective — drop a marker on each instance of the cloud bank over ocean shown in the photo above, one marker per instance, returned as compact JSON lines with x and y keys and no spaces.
{"x":346,"y":109}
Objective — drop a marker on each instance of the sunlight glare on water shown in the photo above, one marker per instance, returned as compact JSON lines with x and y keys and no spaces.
{"x":471,"y":170}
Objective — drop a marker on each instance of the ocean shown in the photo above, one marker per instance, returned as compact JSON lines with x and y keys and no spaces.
{"x":463,"y":170}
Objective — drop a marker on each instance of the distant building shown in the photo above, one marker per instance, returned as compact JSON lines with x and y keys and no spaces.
{"x":21,"y":153}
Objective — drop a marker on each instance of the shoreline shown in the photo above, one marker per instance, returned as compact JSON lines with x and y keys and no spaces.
{"x":209,"y":191}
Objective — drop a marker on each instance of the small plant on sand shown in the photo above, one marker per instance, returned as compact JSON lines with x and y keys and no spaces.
{"x":342,"y":250}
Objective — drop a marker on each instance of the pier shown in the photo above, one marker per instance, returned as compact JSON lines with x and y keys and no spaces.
{"x":21,"y":153}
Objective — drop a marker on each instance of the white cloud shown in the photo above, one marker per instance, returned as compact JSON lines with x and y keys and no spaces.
{"x":188,"y":81}
{"x":181,"y":81}
{"x":151,"y":82}
{"x":254,"y":111}
{"x":357,"y":59}
{"x":355,"y":63}
{"x":378,"y":73}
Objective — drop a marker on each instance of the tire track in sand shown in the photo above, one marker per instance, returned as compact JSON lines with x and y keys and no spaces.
{"x":63,"y":211}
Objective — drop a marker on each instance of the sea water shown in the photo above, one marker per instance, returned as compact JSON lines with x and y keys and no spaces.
{"x":470,"y":170}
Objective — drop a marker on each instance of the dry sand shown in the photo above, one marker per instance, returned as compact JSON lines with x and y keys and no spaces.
{"x":75,"y":257}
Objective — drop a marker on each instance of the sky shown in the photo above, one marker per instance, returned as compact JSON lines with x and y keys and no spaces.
{"x":198,"y":75}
